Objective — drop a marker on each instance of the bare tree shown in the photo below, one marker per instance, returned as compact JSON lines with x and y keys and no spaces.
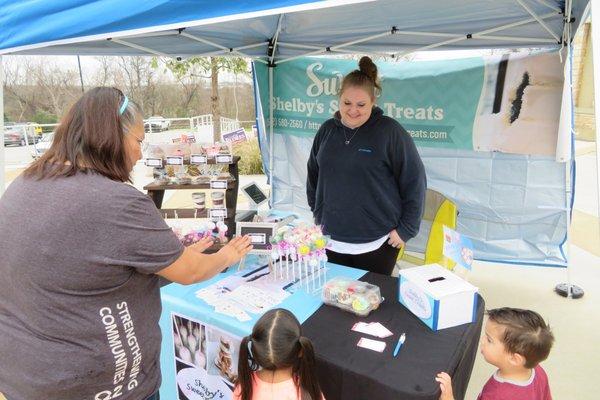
{"x":213,"y":65}
{"x":139,"y":79}
{"x":56,"y":84}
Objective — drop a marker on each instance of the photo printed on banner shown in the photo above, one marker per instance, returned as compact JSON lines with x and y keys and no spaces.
{"x":205,"y":360}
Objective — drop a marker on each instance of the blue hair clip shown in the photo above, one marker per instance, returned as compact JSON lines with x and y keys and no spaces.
{"x":124,"y":105}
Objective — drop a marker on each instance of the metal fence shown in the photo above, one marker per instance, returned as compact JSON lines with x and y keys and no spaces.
{"x":152,"y":125}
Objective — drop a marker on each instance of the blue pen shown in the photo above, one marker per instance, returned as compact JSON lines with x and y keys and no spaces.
{"x":400,"y":343}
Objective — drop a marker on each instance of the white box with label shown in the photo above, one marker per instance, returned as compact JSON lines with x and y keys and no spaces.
{"x":437,"y":297}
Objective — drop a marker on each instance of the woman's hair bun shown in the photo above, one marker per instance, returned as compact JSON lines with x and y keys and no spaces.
{"x":368,"y":67}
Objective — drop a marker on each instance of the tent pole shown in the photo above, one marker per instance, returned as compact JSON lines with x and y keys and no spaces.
{"x":596,"y":64}
{"x":142,"y":48}
{"x":568,"y":289}
{"x":271,"y":145}
{"x":539,"y":20}
{"x":2,"y":158}
{"x":223,"y":48}
{"x":80,"y":75}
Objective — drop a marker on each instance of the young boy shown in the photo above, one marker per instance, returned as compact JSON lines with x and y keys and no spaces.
{"x":515,"y":341}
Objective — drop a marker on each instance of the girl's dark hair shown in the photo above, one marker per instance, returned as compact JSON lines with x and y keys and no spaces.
{"x":364,"y":77}
{"x":276,"y":342}
{"x":90,"y":136}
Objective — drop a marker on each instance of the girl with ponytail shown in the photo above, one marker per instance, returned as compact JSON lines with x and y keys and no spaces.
{"x":276,"y":361}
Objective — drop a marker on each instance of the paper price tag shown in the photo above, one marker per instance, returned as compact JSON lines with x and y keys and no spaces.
{"x":198,"y":159}
{"x":174,"y":160}
{"x":373,"y":328}
{"x":258,"y":238}
{"x":223,"y":158}
{"x":217,"y":213}
{"x":218,"y":184}
{"x":370,"y":344}
{"x":154,"y":162}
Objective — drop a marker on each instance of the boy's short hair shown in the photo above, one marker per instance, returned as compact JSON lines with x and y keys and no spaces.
{"x":525,"y":333}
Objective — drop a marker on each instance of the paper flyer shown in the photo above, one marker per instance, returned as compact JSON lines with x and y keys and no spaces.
{"x":458,"y":248}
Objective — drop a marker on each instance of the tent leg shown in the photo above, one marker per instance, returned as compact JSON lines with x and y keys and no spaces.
{"x":271,"y":144}
{"x":568,"y":289}
{"x":2,"y":157}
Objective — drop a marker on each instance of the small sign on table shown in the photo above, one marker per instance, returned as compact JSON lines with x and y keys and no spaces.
{"x":174,"y":160}
{"x":198,"y":159}
{"x":216,"y":184}
{"x":154,"y":162}
{"x":223,"y":158}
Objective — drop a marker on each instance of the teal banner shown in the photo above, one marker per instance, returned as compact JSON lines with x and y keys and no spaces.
{"x":509,"y":103}
{"x":436,"y":102}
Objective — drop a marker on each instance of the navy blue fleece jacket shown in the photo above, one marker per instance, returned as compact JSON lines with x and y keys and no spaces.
{"x":361,"y":191}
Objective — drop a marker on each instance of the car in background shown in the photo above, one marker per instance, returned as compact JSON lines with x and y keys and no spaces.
{"x":156,"y":124}
{"x":43,"y":145}
{"x":14,"y":134}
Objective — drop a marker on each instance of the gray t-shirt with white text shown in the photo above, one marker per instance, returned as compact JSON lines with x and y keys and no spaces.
{"x":79,"y":300}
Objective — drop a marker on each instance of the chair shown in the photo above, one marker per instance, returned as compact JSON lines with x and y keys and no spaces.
{"x":439,"y":211}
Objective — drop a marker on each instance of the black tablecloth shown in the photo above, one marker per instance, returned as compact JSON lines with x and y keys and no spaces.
{"x":349,"y":372}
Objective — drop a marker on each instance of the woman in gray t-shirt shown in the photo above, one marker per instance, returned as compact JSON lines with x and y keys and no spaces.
{"x":81,"y":252}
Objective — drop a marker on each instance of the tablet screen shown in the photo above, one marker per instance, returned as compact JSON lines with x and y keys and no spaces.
{"x":255,"y":193}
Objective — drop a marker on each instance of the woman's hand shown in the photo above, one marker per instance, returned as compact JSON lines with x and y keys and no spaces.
{"x":445,"y":386}
{"x":237,"y":248}
{"x":202,"y":244}
{"x":395,"y":240}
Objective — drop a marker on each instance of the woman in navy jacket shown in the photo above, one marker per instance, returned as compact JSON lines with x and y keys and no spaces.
{"x":366,"y":182}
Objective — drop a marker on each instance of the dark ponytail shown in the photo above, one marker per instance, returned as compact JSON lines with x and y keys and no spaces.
{"x":365,"y":77}
{"x":307,"y":377}
{"x":246,"y":366}
{"x":276,"y":342}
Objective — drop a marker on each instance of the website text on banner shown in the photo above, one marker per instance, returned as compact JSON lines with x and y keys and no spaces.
{"x":497,"y":103}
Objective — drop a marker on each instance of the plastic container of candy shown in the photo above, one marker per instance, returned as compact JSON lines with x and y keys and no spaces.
{"x":357,"y":297}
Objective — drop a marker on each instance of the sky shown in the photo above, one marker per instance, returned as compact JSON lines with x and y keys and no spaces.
{"x":90,"y":65}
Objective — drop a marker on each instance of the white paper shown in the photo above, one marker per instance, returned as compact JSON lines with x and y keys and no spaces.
{"x":373,"y":328}
{"x":370,"y":344}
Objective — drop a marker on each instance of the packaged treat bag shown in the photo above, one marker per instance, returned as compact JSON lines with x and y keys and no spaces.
{"x":357,"y":297}
{"x":155,"y":151}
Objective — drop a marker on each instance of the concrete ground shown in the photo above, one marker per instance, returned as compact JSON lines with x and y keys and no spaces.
{"x":571,"y":366}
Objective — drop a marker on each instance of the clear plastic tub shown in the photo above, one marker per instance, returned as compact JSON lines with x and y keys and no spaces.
{"x":357,"y":297}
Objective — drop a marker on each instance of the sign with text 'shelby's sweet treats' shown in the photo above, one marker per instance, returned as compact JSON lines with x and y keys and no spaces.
{"x":509,"y":103}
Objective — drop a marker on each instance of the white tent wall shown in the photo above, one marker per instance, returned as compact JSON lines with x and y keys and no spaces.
{"x":512,"y":205}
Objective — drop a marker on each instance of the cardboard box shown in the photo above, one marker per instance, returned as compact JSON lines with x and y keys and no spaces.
{"x":437,"y":297}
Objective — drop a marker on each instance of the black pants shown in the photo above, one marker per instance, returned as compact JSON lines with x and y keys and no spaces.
{"x":381,"y":260}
